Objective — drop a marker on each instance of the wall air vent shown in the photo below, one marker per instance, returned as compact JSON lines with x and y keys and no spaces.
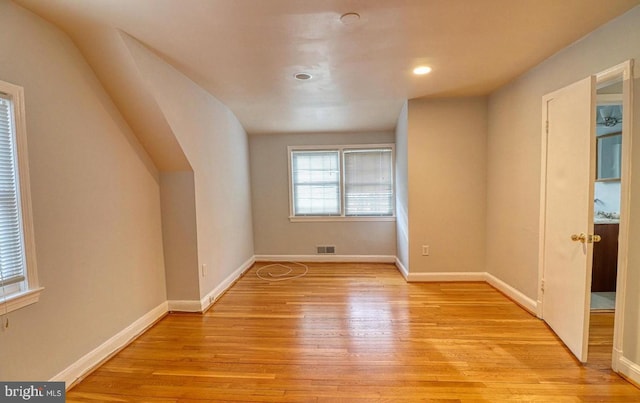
{"x":326,"y":250}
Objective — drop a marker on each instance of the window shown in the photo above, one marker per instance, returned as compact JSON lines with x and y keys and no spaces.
{"x":368,"y":184}
{"x":316,"y":182}
{"x":18,"y":277}
{"x":341,"y":182}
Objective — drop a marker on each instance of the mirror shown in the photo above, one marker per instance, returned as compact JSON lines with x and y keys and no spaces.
{"x":608,"y":156}
{"x":609,"y":131}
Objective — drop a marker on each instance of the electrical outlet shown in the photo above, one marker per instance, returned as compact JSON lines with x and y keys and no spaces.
{"x":425,"y":250}
{"x":204,"y":270}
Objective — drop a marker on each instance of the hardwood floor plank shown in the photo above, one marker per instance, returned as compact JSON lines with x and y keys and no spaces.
{"x":354,"y":332}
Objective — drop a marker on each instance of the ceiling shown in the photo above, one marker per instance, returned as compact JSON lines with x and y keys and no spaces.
{"x":245,"y":52}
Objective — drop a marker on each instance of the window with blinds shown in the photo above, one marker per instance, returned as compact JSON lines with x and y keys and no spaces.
{"x":316,"y":183}
{"x":368,"y":182}
{"x":12,"y":268}
{"x":341,"y":181}
{"x":18,"y":275}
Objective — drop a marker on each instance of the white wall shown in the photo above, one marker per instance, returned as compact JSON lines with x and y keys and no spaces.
{"x":608,"y":196}
{"x":447,"y":184}
{"x":96,"y":206}
{"x":216,"y":147}
{"x":180,"y":235}
{"x":274,"y":234}
{"x":402,"y":187}
{"x":514,"y":161}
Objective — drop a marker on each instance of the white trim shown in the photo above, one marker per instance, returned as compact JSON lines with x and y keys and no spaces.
{"x":340,"y":149}
{"x":542,"y":218}
{"x":612,"y":73}
{"x":626,"y":70}
{"x":514,"y":294}
{"x":16,"y":95}
{"x":616,"y":355}
{"x":340,"y":218}
{"x":629,"y":369}
{"x":91,"y":360}
{"x":402,"y":269}
{"x":217,"y":292}
{"x":24,"y":183}
{"x":212,"y":296}
{"x":327,"y":258}
{"x":94,"y":358}
{"x":184,"y":305}
{"x":17,"y":301}
{"x":521,"y":299}
{"x":445,"y":277}
{"x":609,"y":99}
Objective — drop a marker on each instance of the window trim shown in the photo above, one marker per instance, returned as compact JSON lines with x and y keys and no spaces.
{"x":31,"y":293}
{"x":342,"y":217}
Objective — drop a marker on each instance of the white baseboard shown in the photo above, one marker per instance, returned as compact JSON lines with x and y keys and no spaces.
{"x":445,"y":277}
{"x":327,"y":258}
{"x":521,"y":299}
{"x":629,"y":369}
{"x":184,"y":306}
{"x":402,"y":269}
{"x":89,"y":361}
{"x":616,"y":355}
{"x":213,"y":295}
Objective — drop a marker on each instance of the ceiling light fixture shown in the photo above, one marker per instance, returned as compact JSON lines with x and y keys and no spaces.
{"x":349,"y":18}
{"x":302,"y":76}
{"x":422,"y":70}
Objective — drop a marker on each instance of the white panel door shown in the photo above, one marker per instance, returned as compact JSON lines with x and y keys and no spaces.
{"x":568,"y":174}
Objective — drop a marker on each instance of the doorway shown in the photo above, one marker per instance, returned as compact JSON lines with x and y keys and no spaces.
{"x":609,"y":133}
{"x":573,"y":165}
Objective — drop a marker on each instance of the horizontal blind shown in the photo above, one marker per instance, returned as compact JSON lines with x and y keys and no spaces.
{"x":315,"y":178}
{"x":368,"y":182}
{"x":12,"y":269}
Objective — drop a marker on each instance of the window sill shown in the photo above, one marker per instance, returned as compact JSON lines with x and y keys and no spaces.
{"x":20,"y":300}
{"x":338,"y":219}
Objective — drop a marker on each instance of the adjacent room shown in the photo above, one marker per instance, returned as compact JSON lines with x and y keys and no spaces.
{"x":310,"y":200}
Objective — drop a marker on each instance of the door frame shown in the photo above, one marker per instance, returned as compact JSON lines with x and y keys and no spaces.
{"x":624,"y":70}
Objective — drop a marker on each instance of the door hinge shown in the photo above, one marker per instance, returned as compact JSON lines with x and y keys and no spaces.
{"x":542,"y":285}
{"x":546,"y":126}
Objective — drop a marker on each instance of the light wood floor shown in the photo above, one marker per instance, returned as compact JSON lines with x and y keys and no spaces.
{"x":354,"y":333}
{"x":600,"y":339}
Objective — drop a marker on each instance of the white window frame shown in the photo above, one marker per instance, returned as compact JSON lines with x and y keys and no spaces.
{"x":342,"y":216}
{"x":26,"y":292}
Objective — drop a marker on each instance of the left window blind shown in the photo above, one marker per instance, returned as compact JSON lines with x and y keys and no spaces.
{"x":19,"y":285}
{"x":12,"y":260}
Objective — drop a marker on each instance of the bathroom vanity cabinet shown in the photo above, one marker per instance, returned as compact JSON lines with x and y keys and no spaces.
{"x":605,"y":258}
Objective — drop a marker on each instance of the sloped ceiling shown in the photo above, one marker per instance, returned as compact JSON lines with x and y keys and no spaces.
{"x":245,"y":53}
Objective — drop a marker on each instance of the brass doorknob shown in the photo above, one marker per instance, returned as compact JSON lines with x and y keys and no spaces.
{"x":582,"y":237}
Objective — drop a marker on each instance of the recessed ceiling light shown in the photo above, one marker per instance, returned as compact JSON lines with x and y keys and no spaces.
{"x":350,"y":18}
{"x":302,"y":76}
{"x":421,"y":70}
